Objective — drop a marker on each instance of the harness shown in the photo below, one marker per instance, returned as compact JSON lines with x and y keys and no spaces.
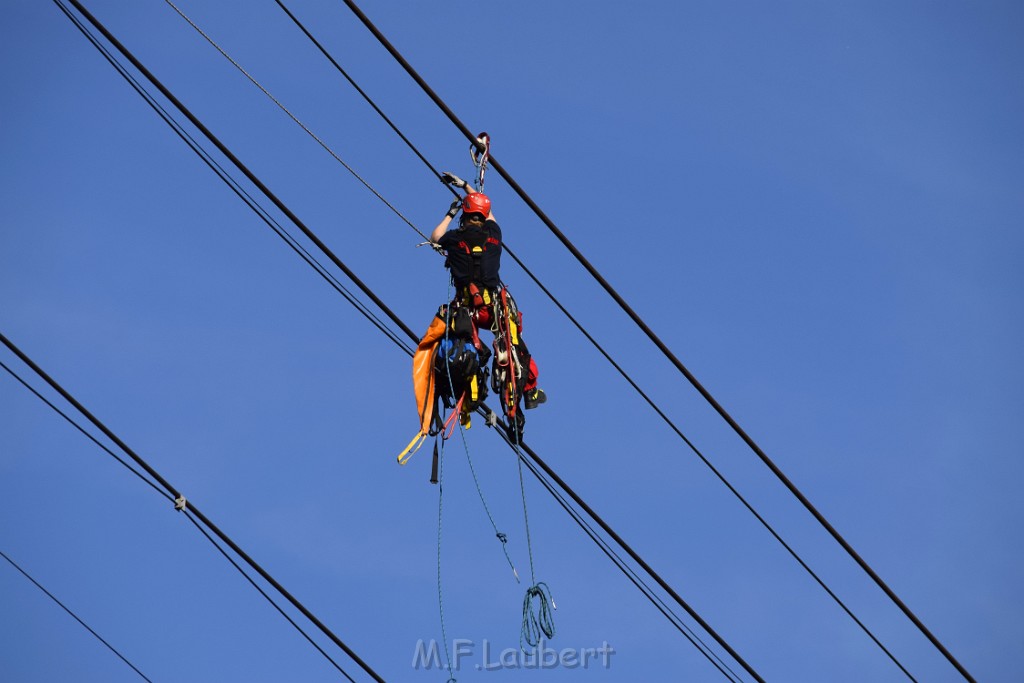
{"x":475,"y":243}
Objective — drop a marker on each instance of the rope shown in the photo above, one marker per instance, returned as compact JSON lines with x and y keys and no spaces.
{"x":366,"y":97}
{"x":634,"y":578}
{"x":440,"y":598}
{"x":500,"y":536}
{"x":242,"y":194}
{"x":540,"y":621}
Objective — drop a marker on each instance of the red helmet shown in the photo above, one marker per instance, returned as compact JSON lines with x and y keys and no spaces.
{"x":476,"y":202}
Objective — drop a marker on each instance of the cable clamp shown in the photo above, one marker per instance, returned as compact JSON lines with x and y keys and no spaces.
{"x":180,"y":503}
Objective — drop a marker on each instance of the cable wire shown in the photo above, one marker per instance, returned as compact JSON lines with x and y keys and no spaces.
{"x":262,"y":592}
{"x":178,"y":497}
{"x":362,"y":92}
{"x":89,"y":436}
{"x":295,"y":119}
{"x":664,"y":349}
{"x":623,"y":373}
{"x":238,"y":164}
{"x":281,"y":206}
{"x":165,"y":495}
{"x":630,"y":574}
{"x":236,"y":187}
{"x":74,"y":616}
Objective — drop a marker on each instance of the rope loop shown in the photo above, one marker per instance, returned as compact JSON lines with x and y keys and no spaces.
{"x":537,"y":622}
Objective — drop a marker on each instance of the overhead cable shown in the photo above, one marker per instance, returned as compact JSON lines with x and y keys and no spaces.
{"x":663,"y":348}
{"x":294,"y":118}
{"x":89,"y":436}
{"x":236,"y":187}
{"x":183,"y":508}
{"x":242,"y":167}
{"x":224,"y":150}
{"x":180,"y":500}
{"x":252,"y":582}
{"x":618,"y":368}
{"x":624,"y":567}
{"x":363,"y":93}
{"x":75,"y":616}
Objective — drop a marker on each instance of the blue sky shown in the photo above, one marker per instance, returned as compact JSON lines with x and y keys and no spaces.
{"x":813,"y":205}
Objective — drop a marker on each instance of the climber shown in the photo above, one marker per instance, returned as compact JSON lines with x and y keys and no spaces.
{"x":474,"y":259}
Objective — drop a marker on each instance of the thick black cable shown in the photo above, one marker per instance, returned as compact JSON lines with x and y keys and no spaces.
{"x":629,"y":573}
{"x":662,"y":347}
{"x":262,"y":592}
{"x":222,"y":148}
{"x":362,"y":92}
{"x":74,"y":616}
{"x":294,"y":118}
{"x":251,"y":203}
{"x":619,"y":368}
{"x":236,"y":187}
{"x":637,"y":581}
{"x":191,"y":507}
{"x":263,"y":188}
{"x":238,"y":164}
{"x":638,"y":559}
{"x":89,"y":436}
{"x":168,"y":497}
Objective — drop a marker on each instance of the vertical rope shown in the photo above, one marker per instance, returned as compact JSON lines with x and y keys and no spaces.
{"x":538,"y":621}
{"x":440,"y":502}
{"x":500,"y":535}
{"x":440,"y":598}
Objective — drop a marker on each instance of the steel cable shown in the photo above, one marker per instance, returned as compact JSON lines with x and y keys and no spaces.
{"x":819,"y":517}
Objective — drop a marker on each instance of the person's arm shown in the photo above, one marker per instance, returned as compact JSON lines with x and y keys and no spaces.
{"x":442,"y":227}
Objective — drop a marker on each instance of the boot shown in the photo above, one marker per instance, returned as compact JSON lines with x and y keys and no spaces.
{"x":532,"y":399}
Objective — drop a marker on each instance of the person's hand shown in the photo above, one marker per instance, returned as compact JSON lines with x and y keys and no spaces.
{"x":454,"y":208}
{"x":451,"y":179}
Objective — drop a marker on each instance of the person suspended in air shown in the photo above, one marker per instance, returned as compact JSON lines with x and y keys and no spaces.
{"x":451,"y":362}
{"x":473,"y":251}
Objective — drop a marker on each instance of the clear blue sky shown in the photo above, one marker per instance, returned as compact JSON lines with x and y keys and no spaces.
{"x":817,"y":207}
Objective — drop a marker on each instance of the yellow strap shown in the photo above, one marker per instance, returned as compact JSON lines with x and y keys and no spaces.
{"x":404,"y":456}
